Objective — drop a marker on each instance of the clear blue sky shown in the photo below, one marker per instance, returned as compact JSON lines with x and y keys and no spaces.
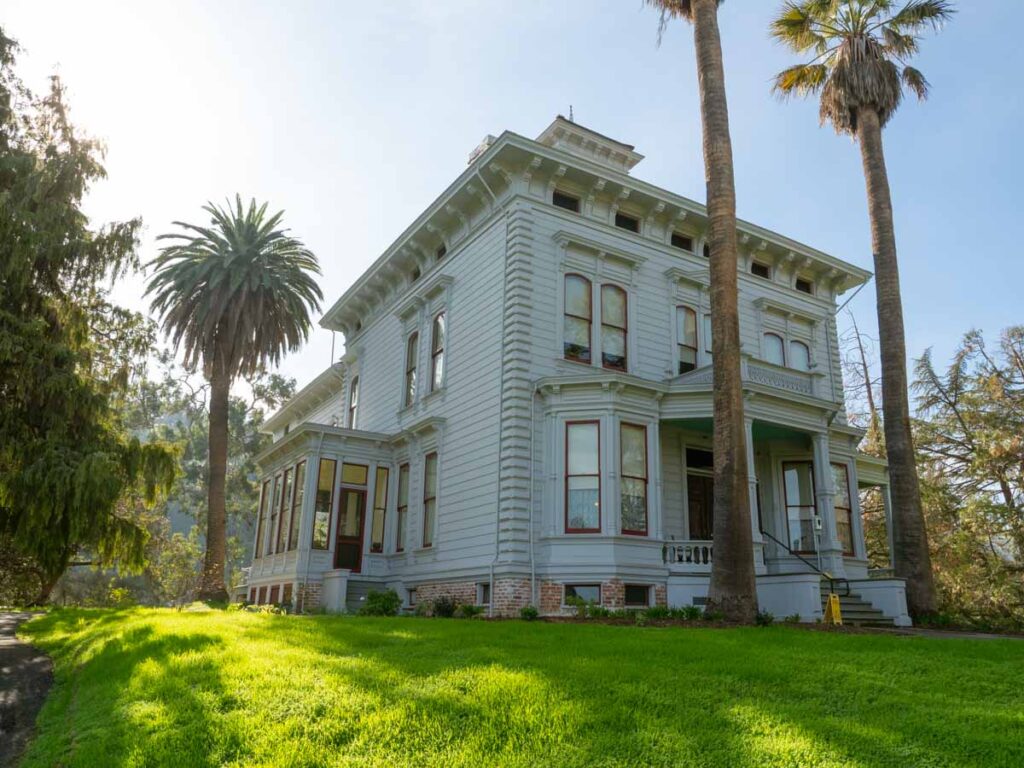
{"x":354,"y":116}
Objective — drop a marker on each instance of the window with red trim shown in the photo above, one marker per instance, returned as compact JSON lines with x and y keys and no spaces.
{"x":633,"y":481}
{"x":579,"y":316}
{"x":582,"y":477}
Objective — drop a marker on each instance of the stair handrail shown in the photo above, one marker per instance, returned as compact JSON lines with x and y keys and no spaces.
{"x":825,"y":574}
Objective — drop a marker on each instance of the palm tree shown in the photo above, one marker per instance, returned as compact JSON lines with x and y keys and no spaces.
{"x":733,"y":589}
{"x":860,"y":49}
{"x":236,"y":295}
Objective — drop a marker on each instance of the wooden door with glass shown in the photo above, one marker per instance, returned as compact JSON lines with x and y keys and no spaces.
{"x":348,"y":546}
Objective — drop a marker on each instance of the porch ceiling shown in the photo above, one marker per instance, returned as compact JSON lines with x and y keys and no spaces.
{"x":763,"y":430}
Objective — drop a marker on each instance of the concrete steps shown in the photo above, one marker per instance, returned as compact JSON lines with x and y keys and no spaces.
{"x":855,"y":610}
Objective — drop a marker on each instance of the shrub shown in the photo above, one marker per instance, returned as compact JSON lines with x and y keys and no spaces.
{"x":469,"y":611}
{"x":424,"y":609}
{"x":688,"y":612}
{"x":764,"y":619}
{"x":384,"y":603}
{"x":579,"y":604}
{"x":793,"y":618}
{"x":712,"y":615}
{"x":267,"y":608}
{"x":444,"y":607}
{"x":595,"y":611}
{"x":528,"y":613}
{"x":657,"y":612}
{"x":640,"y":617}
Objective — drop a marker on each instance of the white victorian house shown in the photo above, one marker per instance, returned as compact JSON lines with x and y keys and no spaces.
{"x":523,"y":411}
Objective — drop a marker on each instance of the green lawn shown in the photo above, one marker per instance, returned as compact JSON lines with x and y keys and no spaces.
{"x":159,"y":688}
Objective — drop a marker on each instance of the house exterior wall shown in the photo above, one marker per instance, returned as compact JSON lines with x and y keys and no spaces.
{"x":497,"y":423}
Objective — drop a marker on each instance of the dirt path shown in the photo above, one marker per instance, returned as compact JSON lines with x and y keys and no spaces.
{"x":25,"y":678}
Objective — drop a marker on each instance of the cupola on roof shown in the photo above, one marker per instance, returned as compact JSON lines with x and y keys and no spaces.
{"x":573,"y":138}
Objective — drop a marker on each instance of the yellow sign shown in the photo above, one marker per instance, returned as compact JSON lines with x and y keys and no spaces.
{"x":833,"y":615}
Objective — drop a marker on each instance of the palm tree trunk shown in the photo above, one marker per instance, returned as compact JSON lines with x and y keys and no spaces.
{"x":211,"y":586}
{"x":910,"y":539}
{"x":733,"y":590}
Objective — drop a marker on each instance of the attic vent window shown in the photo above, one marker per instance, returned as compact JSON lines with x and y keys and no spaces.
{"x":682,"y":241}
{"x":760,"y":270}
{"x":442,"y":252}
{"x":707,"y":251}
{"x":804,"y":286}
{"x":415,"y":274}
{"x":568,"y":202}
{"x":624,"y":221}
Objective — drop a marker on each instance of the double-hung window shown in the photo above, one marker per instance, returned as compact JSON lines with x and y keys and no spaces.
{"x":380,"y":506}
{"x":579,"y":318}
{"x":403,"y":507}
{"x":282,"y":521}
{"x":798,"y":488}
{"x":774,"y":349}
{"x":411,"y":350}
{"x":686,"y":339}
{"x":843,"y":508}
{"x":261,"y":525}
{"x":296,"y":516}
{"x":353,"y":402}
{"x":275,"y":516}
{"x":322,"y":504}
{"x":437,"y":342}
{"x":633,"y":480}
{"x":582,"y":477}
{"x":429,"y":498}
{"x":613,"y":327}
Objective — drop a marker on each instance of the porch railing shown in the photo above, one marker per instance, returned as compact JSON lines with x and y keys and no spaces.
{"x":696,"y":554}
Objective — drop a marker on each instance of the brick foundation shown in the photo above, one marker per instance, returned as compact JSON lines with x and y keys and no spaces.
{"x":462,"y":592}
{"x":510,"y":596}
{"x":550,"y":598}
{"x":661,"y":595}
{"x":307,"y":597}
{"x":613,"y":594}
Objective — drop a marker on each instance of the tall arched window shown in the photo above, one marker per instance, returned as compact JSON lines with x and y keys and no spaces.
{"x":613,"y":327}
{"x":799,"y":356}
{"x":774,"y":349}
{"x":579,"y":316}
{"x":353,"y":403}
{"x":437,"y":342}
{"x":686,"y":338}
{"x":410,"y":368}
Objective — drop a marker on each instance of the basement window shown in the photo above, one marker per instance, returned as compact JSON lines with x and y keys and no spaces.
{"x":568,"y":202}
{"x":625,"y":221}
{"x":804,"y":286}
{"x":588,"y":593}
{"x":760,"y":270}
{"x":412,"y":597}
{"x":483,"y":594}
{"x":638,"y":595}
{"x":683,"y":242}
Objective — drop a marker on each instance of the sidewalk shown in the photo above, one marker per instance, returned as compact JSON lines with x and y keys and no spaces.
{"x":25,"y":678}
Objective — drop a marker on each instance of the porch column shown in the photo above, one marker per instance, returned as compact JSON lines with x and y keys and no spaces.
{"x":887,"y":506}
{"x":755,"y":526}
{"x":825,"y":496}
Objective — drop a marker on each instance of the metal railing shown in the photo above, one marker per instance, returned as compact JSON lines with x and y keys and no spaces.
{"x":832,"y":580}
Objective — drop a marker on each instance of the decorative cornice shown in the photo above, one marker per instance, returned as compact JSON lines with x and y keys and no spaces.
{"x":564,"y":237}
{"x":767,"y":304}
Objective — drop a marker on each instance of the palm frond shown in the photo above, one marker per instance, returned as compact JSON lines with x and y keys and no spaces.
{"x":800,"y":80}
{"x":916,"y":15}
{"x":915,"y":81}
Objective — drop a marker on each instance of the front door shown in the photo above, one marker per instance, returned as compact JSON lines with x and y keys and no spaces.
{"x":348,"y":549}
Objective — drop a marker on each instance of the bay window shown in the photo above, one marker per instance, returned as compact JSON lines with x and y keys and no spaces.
{"x":633,"y":480}
{"x":403,"y":507}
{"x":275,"y":515}
{"x":322,"y":503}
{"x":686,"y":338}
{"x":578,"y":319}
{"x":285,"y":505}
{"x":296,"y":516}
{"x":582,"y":477}
{"x":380,"y":506}
{"x":613,"y":327}
{"x":261,"y":524}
